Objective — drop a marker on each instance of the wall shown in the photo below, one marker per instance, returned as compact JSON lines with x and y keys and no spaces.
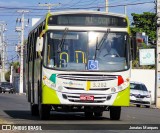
{"x":146,"y":76}
{"x":16,"y":83}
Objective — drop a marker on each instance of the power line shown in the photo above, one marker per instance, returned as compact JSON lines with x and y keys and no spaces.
{"x":83,"y":3}
{"x":25,"y":8}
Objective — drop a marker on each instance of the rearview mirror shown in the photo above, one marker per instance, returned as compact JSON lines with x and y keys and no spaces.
{"x":39,"y":44}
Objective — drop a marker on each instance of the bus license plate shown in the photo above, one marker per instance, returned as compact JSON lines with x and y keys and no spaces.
{"x":87,"y":98}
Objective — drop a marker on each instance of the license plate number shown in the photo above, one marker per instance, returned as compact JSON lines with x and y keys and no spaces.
{"x":87,"y":98}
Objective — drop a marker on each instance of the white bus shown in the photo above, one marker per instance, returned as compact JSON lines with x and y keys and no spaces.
{"x":79,"y":61}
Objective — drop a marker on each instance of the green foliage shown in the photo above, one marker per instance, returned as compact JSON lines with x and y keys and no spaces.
{"x":145,"y":22}
{"x":15,"y":67}
{"x":7,"y":76}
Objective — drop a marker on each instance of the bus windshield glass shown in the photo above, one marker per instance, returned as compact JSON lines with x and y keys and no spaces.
{"x":86,"y":51}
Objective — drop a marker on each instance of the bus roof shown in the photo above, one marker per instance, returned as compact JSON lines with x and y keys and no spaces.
{"x":76,"y":12}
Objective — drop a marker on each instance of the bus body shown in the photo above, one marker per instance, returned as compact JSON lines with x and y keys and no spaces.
{"x":64,"y":70}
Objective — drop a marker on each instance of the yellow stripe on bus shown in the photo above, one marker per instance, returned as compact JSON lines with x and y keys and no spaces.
{"x":88,"y":86}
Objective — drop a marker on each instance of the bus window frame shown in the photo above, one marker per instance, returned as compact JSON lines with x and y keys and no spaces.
{"x":127,"y":57}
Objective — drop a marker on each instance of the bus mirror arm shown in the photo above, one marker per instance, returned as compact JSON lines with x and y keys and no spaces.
{"x":39,"y":54}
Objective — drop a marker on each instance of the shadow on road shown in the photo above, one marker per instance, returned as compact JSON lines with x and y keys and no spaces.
{"x":22,"y":114}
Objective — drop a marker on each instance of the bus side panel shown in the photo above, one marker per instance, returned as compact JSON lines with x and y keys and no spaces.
{"x":30,"y":89}
{"x":27,"y":82}
{"x":37,"y":71}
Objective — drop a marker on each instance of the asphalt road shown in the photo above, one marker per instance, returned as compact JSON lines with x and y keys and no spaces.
{"x":14,"y":109}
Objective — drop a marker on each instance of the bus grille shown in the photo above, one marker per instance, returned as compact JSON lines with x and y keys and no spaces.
{"x":84,"y":77}
{"x":91,"y":89}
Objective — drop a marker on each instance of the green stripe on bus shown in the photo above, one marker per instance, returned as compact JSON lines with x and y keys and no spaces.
{"x":122,"y":98}
{"x":53,"y":78}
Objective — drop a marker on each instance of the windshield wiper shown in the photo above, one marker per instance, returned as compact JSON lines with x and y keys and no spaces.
{"x":100,"y":44}
{"x":60,"y":45}
{"x":95,"y":54}
{"x":103,"y":39}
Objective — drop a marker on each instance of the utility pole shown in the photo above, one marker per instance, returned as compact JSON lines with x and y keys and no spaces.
{"x":106,"y":5}
{"x":3,"y":49}
{"x":125,"y":9}
{"x":158,"y":56}
{"x":49,"y":5}
{"x":22,"y":48}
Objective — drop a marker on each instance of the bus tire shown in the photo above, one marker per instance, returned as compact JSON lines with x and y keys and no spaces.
{"x":34,"y":109}
{"x":44,"y":111}
{"x":115,"y":112}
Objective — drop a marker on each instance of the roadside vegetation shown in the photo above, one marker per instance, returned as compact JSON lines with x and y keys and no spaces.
{"x":145,"y":22}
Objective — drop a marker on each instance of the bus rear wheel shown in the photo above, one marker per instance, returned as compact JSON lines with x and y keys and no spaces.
{"x":44,"y":111}
{"x":115,"y":112}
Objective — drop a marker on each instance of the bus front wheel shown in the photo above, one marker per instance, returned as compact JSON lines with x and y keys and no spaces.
{"x":44,"y":111}
{"x":115,"y":112}
{"x":34,"y":109}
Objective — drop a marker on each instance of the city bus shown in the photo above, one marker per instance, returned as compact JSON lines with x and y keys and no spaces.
{"x":79,"y":61}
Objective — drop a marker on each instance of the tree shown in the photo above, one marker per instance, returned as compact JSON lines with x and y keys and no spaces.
{"x":7,"y":76}
{"x":145,"y":22}
{"x":15,"y":65}
{"x":15,"y":68}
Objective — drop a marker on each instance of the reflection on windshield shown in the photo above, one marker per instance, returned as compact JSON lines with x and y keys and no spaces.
{"x":78,"y":51}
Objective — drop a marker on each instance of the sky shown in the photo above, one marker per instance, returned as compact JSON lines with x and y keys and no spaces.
{"x":9,"y":14}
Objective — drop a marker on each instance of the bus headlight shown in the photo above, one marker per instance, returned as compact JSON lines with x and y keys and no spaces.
{"x":113,"y":89}
{"x":120,"y":88}
{"x":49,"y":83}
{"x":123,"y":86}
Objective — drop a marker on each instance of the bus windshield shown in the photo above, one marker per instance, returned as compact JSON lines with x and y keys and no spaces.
{"x":86,"y":51}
